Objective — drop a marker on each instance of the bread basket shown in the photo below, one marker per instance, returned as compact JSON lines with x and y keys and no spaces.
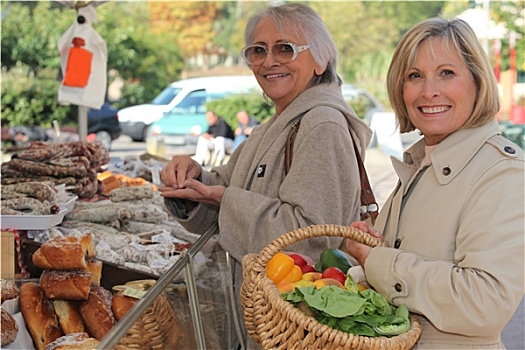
{"x":275,"y":323}
{"x":156,"y":328}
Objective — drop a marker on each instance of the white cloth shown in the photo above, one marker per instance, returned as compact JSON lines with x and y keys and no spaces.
{"x":214,"y":149}
{"x":93,"y":94}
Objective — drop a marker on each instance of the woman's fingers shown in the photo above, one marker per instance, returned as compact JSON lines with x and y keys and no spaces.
{"x":178,"y":170}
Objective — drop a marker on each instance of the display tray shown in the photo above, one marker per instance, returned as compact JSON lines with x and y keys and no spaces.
{"x":32,"y":222}
{"x":69,"y":204}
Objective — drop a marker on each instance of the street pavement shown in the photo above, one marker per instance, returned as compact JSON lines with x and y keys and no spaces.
{"x":383,"y":180}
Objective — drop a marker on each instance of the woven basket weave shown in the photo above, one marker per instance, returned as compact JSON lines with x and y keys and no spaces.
{"x":276,"y":324}
{"x":156,"y":328}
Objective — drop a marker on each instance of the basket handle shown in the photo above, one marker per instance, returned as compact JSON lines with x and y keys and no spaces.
{"x":313,"y":231}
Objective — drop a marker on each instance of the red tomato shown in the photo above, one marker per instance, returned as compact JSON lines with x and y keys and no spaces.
{"x":334,"y":273}
{"x":307,"y":268}
{"x":298,"y":260}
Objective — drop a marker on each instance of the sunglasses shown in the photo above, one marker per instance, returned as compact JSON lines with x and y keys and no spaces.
{"x":281,"y":52}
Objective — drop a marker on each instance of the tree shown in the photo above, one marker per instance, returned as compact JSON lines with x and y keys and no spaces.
{"x":29,"y":36}
{"x":512,"y":14}
{"x":191,"y":24}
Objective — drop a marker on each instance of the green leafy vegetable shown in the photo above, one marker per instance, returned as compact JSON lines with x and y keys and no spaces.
{"x":365,"y":313}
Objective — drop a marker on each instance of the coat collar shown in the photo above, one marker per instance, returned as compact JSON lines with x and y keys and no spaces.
{"x":451,"y":155}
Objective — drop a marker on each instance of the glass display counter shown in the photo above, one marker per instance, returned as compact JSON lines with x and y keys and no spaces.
{"x":199,"y":292}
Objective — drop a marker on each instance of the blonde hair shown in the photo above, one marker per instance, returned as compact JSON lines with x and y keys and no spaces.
{"x":460,"y":36}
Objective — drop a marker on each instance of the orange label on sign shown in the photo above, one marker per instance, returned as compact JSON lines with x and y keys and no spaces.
{"x":78,"y":67}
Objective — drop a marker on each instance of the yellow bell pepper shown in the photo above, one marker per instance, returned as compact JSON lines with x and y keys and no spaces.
{"x":281,"y":268}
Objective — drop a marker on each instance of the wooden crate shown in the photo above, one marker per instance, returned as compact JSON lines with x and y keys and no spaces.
{"x":8,"y":255}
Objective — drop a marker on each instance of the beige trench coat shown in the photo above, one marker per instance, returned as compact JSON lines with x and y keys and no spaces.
{"x":456,"y":251}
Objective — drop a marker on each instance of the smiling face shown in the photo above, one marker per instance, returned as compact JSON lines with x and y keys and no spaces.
{"x":282,"y":83}
{"x":439,"y":91}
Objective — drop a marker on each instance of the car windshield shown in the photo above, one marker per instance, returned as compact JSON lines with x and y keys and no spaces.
{"x":166,"y":95}
{"x":195,"y":102}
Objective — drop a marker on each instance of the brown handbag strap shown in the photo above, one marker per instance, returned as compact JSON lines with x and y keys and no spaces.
{"x":369,"y":207}
{"x":288,"y":152}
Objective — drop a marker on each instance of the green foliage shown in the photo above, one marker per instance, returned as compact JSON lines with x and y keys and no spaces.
{"x":140,"y":56}
{"x":507,"y":13}
{"x":30,"y":34}
{"x":132,"y":94}
{"x":31,"y":102}
{"x":254,"y":104}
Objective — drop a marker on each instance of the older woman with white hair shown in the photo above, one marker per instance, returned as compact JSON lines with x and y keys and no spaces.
{"x":255,"y":197}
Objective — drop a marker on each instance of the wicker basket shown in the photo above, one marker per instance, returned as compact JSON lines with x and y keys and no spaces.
{"x":276,"y":324}
{"x":156,"y":328}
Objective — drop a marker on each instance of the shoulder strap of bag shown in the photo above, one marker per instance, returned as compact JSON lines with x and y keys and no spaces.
{"x":369,"y":207}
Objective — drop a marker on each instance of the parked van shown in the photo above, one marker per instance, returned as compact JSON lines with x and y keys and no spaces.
{"x":182,"y":96}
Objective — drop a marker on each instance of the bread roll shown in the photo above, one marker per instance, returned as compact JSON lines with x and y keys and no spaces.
{"x":96,"y":312}
{"x":121,"y":304}
{"x":94,"y":267}
{"x":74,"y":341}
{"x":39,"y":315}
{"x":8,"y":290}
{"x":9,"y":328}
{"x":65,"y":253}
{"x":88,"y":245}
{"x":68,"y":316}
{"x":60,"y":254}
{"x":65,"y":285}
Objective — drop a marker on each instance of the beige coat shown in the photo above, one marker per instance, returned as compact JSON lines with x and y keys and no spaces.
{"x":458,"y":243}
{"x":261,"y":203}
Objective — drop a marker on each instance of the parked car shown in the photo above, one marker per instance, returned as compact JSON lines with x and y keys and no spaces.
{"x":179,"y":128}
{"x":104,"y":124}
{"x":136,"y":120}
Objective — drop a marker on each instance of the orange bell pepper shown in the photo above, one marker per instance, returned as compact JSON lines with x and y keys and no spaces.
{"x":281,"y":268}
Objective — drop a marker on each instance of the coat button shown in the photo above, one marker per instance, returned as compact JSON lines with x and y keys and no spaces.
{"x":446,"y":171}
{"x":398,"y":287}
{"x":509,"y":149}
{"x":397,"y":243}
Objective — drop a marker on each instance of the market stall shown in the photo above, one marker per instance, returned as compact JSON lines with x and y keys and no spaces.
{"x":52,"y":192}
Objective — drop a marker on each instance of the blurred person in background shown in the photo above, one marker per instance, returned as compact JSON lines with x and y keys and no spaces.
{"x":244,"y":128}
{"x":454,"y":224}
{"x":215,"y":142}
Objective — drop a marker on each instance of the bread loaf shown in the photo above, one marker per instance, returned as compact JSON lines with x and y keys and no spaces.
{"x":96,"y":312}
{"x":61,"y":253}
{"x":94,"y":267}
{"x":68,"y":316}
{"x":121,"y":304}
{"x":65,"y":285}
{"x":65,"y":253}
{"x":39,"y":315}
{"x":88,"y":245}
{"x":74,"y":341}
{"x":8,"y":290}
{"x":9,"y":328}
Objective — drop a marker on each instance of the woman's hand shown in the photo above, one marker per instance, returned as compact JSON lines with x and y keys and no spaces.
{"x":178,"y":170}
{"x":358,"y":250}
{"x":196,"y":191}
{"x":179,"y":178}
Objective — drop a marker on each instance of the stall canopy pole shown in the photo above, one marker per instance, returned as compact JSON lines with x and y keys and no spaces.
{"x":82,"y":122}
